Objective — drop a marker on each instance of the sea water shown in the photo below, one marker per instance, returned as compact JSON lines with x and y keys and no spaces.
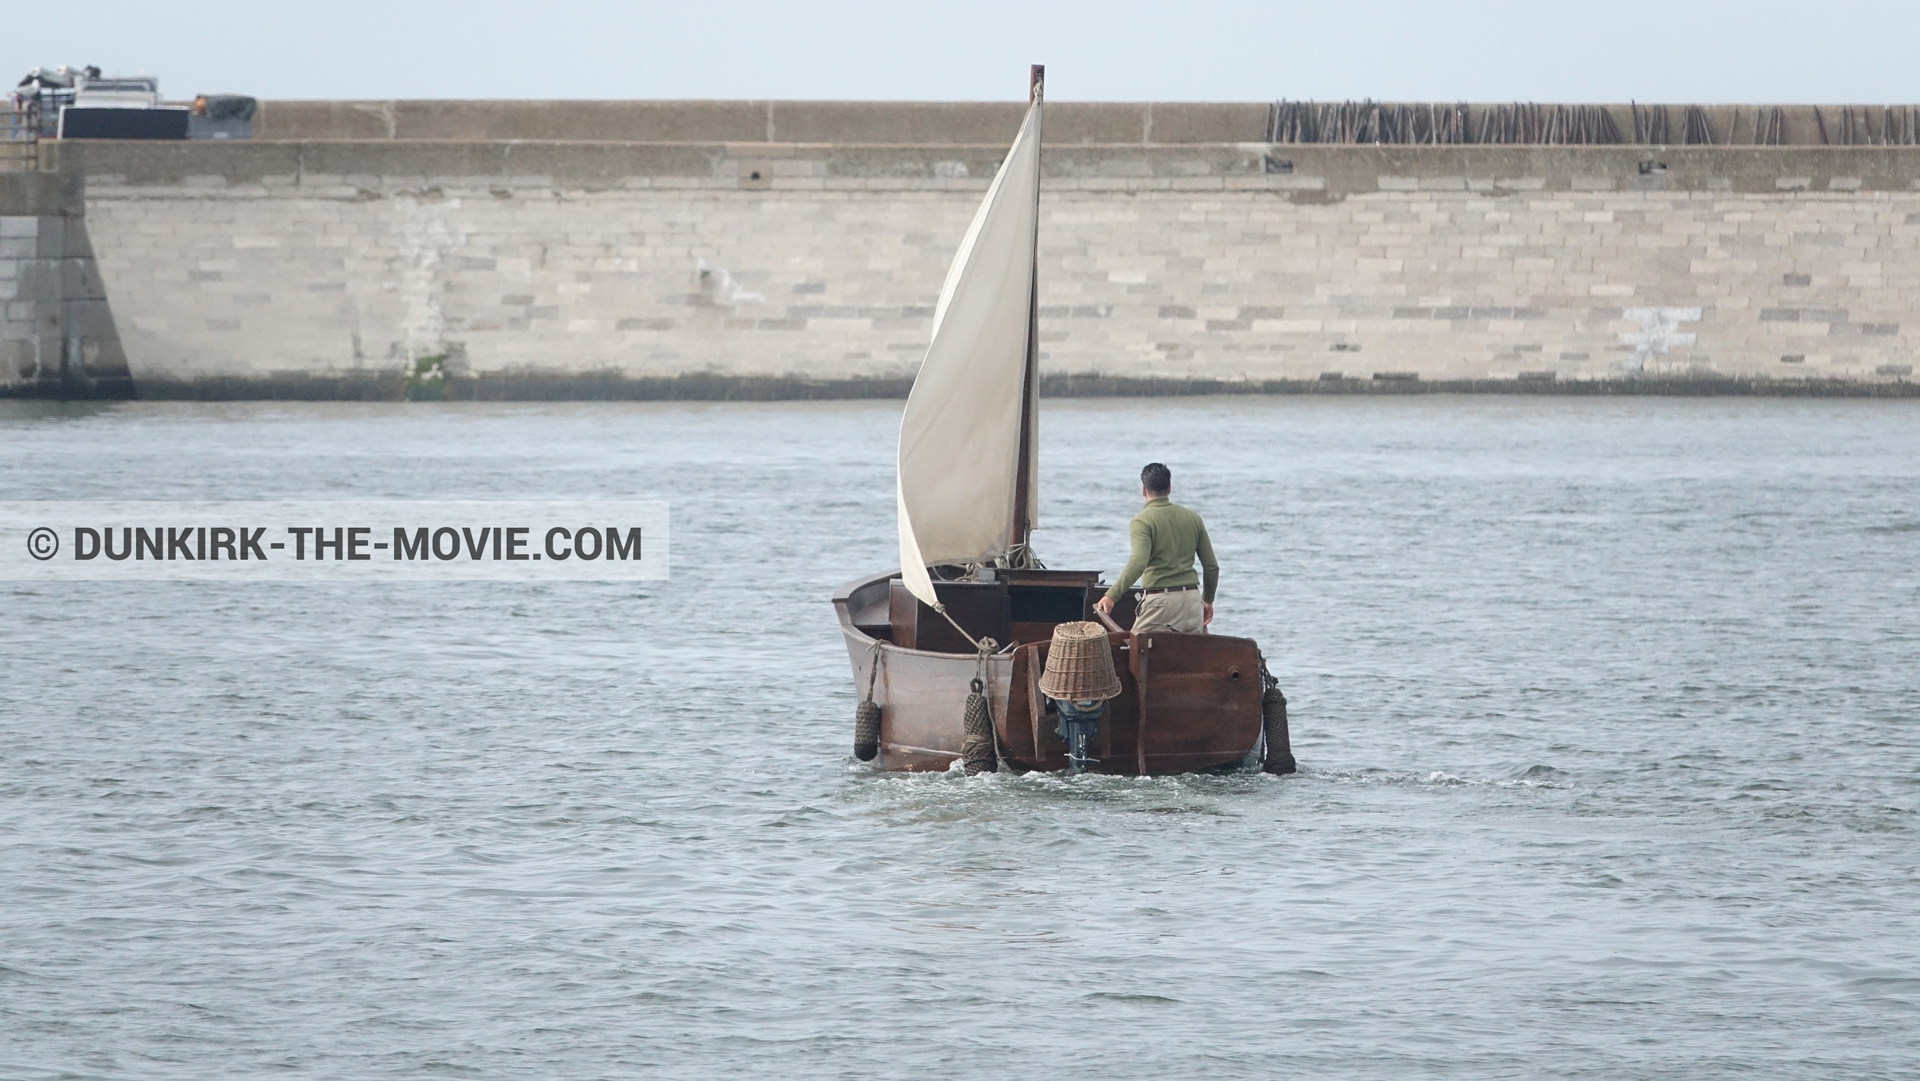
{"x":1607,"y":712}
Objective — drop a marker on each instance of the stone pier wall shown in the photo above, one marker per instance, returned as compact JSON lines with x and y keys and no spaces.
{"x":511,"y":268}
{"x":57,"y":334}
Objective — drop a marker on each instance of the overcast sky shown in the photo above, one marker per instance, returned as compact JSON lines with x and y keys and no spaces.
{"x":1674,"y":51}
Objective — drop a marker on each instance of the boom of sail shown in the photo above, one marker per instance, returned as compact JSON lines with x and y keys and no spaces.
{"x":967,"y":488}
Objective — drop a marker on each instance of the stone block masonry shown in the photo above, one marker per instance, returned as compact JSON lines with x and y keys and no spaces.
{"x":518,"y":269}
{"x":57,"y":333}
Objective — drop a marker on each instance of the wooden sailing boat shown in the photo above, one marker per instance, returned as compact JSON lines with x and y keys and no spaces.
{"x":964,"y":626}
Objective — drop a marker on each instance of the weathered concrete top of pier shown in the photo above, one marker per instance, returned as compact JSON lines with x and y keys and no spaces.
{"x":841,"y":122}
{"x":370,"y":146}
{"x":1299,"y":173}
{"x":38,"y":195}
{"x":863,"y":123}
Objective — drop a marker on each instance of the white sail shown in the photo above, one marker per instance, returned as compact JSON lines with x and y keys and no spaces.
{"x":960,"y":434}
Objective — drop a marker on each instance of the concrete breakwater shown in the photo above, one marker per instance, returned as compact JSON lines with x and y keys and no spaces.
{"x":57,"y":334}
{"x":798,"y":259}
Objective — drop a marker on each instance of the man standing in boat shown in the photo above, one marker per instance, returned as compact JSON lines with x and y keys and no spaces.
{"x":1166,"y":538}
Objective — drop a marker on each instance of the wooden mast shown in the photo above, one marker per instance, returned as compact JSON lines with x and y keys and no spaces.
{"x":1019,"y":541}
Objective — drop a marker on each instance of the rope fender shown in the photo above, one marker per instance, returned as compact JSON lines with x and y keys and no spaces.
{"x":866,"y":717}
{"x":977,"y":749}
{"x":1273,"y":723}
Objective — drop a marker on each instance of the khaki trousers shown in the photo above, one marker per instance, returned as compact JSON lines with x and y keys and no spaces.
{"x":1182,"y":612}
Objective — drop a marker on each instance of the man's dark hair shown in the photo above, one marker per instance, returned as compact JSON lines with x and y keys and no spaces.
{"x":1157,"y":479}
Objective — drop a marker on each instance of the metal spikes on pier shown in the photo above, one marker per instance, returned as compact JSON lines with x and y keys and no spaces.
{"x":1375,"y":123}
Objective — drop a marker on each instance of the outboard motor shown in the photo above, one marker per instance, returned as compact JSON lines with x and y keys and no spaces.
{"x":1079,"y":679}
{"x":1079,"y":721}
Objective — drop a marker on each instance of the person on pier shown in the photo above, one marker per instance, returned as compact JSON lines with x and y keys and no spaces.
{"x":1166,"y":539}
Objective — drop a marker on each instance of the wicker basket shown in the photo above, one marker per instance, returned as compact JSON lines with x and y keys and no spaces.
{"x":1079,"y":664}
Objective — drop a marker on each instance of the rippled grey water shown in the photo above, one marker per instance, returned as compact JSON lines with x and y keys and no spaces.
{"x":1606,"y":712}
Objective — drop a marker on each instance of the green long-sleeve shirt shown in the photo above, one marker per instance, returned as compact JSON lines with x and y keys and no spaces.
{"x":1166,"y":537}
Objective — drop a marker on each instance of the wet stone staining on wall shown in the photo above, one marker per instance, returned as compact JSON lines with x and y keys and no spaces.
{"x":625,"y":269}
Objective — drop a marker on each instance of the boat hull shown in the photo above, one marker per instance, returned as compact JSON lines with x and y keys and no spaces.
{"x":1188,"y":702}
{"x":923,"y":699}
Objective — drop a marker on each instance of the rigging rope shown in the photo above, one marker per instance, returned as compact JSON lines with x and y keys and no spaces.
{"x":980,"y":746}
{"x":971,"y":640}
